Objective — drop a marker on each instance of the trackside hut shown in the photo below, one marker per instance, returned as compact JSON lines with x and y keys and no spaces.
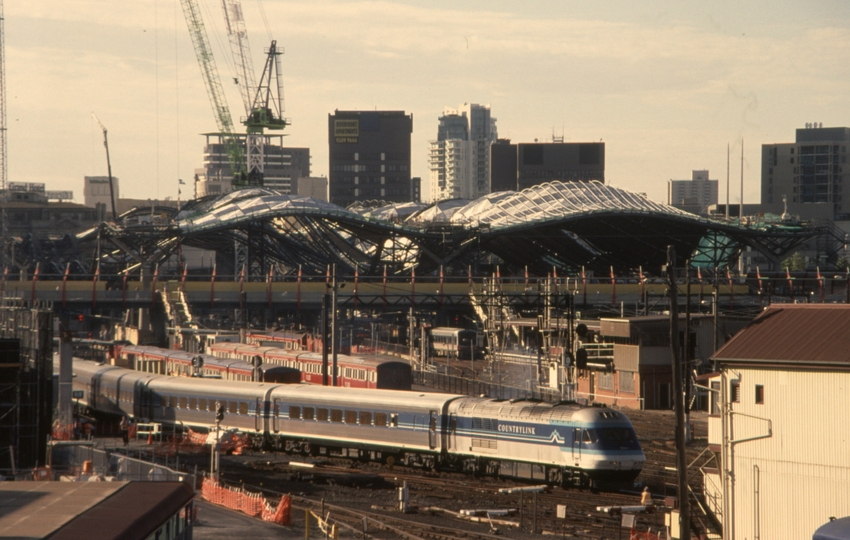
{"x":778,"y":424}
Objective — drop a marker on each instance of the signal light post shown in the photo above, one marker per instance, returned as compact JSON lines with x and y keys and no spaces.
{"x":214,"y":458}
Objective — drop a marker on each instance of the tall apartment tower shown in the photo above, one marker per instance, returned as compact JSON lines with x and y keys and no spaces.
{"x":808,"y":173}
{"x":283,"y":166}
{"x":460,"y":157}
{"x":369,"y":154}
{"x":694,"y":195}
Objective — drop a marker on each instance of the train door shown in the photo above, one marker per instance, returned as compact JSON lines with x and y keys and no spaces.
{"x":576,"y":444}
{"x":258,"y":410}
{"x":142,"y":403}
{"x":432,"y":430}
{"x":274,"y":412}
{"x":94,"y":392}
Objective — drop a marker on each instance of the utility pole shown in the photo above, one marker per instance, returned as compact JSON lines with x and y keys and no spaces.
{"x":3,"y":148}
{"x":687,"y":371}
{"x":326,"y":300}
{"x":334,"y":347}
{"x":410,"y":334}
{"x":678,"y":394}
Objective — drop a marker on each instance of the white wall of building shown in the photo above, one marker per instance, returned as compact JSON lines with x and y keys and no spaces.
{"x":786,"y":460}
{"x":96,"y":190}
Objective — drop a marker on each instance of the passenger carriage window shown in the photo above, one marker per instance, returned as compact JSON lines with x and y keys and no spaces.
{"x":243,"y":408}
{"x":308,"y":413}
{"x":183,"y":402}
{"x":233,"y":407}
{"x":163,"y":401}
{"x":759,"y":394}
{"x":365,"y":418}
{"x":294,"y":412}
{"x":322,"y":415}
{"x":202,"y":404}
{"x":380,"y":419}
{"x":193,"y":403}
{"x":350,"y":417}
{"x":173,"y":402}
{"x":336,"y":415}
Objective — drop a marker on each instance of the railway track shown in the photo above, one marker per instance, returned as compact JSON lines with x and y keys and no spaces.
{"x":440,"y":500}
{"x":357,"y":491}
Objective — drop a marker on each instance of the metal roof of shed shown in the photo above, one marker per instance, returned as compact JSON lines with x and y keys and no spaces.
{"x":803,"y":334}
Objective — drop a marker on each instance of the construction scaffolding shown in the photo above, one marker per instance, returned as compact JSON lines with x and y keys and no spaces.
{"x":26,"y":384}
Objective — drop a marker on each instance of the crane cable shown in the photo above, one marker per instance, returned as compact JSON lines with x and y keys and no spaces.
{"x":265,"y":19}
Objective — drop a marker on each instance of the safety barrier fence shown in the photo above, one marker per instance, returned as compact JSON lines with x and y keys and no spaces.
{"x":328,"y":529}
{"x":84,"y":459}
{"x":252,"y":504}
{"x":646,"y":535}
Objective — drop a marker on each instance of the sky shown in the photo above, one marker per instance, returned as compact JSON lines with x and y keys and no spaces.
{"x":667,"y":84}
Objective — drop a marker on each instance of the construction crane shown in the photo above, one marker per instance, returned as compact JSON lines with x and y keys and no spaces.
{"x":266,"y":113}
{"x":241,"y":50}
{"x":264,"y":102}
{"x":212,"y":82}
{"x":108,"y":166}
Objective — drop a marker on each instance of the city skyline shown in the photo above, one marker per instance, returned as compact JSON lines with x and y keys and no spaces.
{"x":666,"y":86}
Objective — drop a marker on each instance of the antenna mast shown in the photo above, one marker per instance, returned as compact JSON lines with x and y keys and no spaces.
{"x":4,"y":232}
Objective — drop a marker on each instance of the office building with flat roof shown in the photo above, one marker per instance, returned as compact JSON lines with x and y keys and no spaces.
{"x":282,"y":165}
{"x":519,"y":166}
{"x":806,"y":177}
{"x":695,"y":195}
{"x":369,"y":156}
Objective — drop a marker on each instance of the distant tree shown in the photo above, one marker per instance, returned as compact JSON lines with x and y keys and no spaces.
{"x":795,"y":263}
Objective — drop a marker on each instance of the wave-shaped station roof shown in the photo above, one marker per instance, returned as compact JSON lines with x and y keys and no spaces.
{"x":567,"y":225}
{"x":562,"y":224}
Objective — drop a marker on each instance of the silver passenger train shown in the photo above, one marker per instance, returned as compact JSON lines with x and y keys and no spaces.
{"x":554,"y":443}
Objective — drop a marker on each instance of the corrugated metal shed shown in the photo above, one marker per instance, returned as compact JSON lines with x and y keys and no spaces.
{"x":89,"y":510}
{"x":809,"y":334}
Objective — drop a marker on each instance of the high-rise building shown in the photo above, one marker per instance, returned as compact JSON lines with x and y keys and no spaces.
{"x":315,"y":187}
{"x":460,"y":157}
{"x":807,"y":173}
{"x":694,"y":195}
{"x":369,"y":155}
{"x":520,"y":166}
{"x":283,"y":166}
{"x":416,"y":189}
{"x":96,"y":190}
